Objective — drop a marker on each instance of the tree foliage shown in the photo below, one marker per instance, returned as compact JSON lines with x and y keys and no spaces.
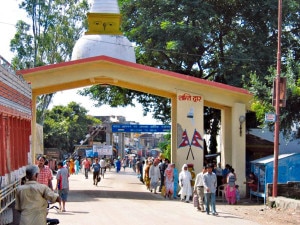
{"x":228,"y":41}
{"x":262,"y":104}
{"x":66,"y":126}
{"x":222,"y":40}
{"x":55,"y":26}
{"x":165,"y":146}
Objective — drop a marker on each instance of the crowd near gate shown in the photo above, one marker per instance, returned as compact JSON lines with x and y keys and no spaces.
{"x":15,"y":131}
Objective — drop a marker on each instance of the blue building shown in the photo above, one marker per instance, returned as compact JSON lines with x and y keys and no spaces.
{"x":288,"y":170}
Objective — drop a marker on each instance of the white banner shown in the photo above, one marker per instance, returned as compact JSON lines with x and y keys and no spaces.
{"x":103,"y":149}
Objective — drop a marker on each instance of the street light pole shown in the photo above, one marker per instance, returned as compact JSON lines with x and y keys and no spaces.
{"x":277,"y":103}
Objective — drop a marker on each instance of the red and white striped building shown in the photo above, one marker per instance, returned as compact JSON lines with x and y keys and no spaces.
{"x":15,"y":131}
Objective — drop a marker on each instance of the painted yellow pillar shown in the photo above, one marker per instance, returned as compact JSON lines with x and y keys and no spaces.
{"x":226,"y":139}
{"x":190,"y":127}
{"x":239,"y":145}
{"x":174,"y":131}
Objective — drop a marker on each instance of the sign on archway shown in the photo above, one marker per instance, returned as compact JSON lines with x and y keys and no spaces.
{"x":139,"y":128}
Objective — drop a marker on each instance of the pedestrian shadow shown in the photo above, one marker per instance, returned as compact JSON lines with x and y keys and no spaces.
{"x":68,"y":213}
{"x":97,"y":195}
{"x":228,"y":216}
{"x":242,"y":202}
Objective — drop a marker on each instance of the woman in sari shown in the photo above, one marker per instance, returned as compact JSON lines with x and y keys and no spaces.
{"x":146,"y":174}
{"x":230,"y":191}
{"x":71,"y":168}
{"x":169,"y":181}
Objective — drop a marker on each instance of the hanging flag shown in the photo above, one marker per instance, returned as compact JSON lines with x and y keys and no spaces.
{"x":196,"y":138}
{"x":185,"y":140}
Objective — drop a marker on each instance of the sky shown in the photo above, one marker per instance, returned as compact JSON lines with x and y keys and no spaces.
{"x":9,"y":15}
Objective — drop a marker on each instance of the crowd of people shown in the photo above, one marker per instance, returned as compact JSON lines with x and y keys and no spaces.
{"x":158,"y":175}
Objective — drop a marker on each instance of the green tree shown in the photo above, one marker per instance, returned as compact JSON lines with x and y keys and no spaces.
{"x":50,"y":37}
{"x":165,"y":146}
{"x":224,"y":41}
{"x":66,"y":126}
{"x":262,"y":90}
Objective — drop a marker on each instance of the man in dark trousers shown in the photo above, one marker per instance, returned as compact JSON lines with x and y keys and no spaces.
{"x":162,"y":167}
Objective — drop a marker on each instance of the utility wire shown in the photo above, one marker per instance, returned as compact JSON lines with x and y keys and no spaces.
{"x":10,"y":24}
{"x":170,"y":51}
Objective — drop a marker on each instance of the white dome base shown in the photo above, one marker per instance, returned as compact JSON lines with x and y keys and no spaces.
{"x":114,"y":46}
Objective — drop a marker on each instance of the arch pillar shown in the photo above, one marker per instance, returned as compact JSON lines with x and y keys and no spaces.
{"x":174,"y":131}
{"x":190,"y":127}
{"x":226,"y":137}
{"x":238,"y":136}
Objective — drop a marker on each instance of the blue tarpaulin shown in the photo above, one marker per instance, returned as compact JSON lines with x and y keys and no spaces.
{"x":89,"y":153}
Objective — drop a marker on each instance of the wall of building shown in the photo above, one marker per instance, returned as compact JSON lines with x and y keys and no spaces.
{"x":15,"y":131}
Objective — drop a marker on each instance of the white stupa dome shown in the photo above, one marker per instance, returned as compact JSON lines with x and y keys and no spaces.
{"x":115,"y":46}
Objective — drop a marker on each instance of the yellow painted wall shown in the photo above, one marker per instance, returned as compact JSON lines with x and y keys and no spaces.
{"x":189,"y":127}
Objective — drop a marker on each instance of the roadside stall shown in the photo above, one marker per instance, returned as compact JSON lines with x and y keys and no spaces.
{"x":288,"y":171}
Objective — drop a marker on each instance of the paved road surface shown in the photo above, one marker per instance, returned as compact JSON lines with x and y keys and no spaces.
{"x":120,"y":198}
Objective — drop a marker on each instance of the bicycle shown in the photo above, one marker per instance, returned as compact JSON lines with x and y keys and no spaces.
{"x":53,"y":221}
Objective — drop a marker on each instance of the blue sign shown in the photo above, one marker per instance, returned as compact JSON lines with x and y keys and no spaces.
{"x":138,"y":128}
{"x":270,"y":117}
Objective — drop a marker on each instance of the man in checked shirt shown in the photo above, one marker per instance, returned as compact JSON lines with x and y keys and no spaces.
{"x":45,"y":174}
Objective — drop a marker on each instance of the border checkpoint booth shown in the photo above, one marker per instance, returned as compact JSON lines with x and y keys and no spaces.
{"x":288,"y":171}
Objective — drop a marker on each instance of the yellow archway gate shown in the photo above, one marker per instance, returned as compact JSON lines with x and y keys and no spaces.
{"x":188,"y":96}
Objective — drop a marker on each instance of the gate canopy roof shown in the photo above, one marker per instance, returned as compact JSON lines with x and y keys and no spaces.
{"x":110,"y":71}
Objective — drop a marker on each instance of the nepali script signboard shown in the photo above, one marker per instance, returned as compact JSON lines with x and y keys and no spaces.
{"x":139,"y":128}
{"x":102,"y":149}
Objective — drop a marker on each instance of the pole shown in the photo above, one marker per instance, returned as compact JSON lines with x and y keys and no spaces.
{"x":277,"y":104}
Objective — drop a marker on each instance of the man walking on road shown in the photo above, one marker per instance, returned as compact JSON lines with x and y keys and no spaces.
{"x":102,"y":166}
{"x":45,"y":173}
{"x":199,"y":189}
{"x":86,"y":166}
{"x":62,"y":184}
{"x":96,"y":171}
{"x":210,"y":185}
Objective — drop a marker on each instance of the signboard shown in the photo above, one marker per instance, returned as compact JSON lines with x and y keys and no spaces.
{"x":102,"y":150}
{"x":139,"y":128}
{"x":282,"y":92}
{"x":270,"y":117}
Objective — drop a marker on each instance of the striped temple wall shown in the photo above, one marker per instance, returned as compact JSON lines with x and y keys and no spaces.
{"x":15,"y":131}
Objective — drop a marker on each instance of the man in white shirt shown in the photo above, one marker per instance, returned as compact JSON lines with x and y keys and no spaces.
{"x":199,"y":189}
{"x":102,"y":166}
